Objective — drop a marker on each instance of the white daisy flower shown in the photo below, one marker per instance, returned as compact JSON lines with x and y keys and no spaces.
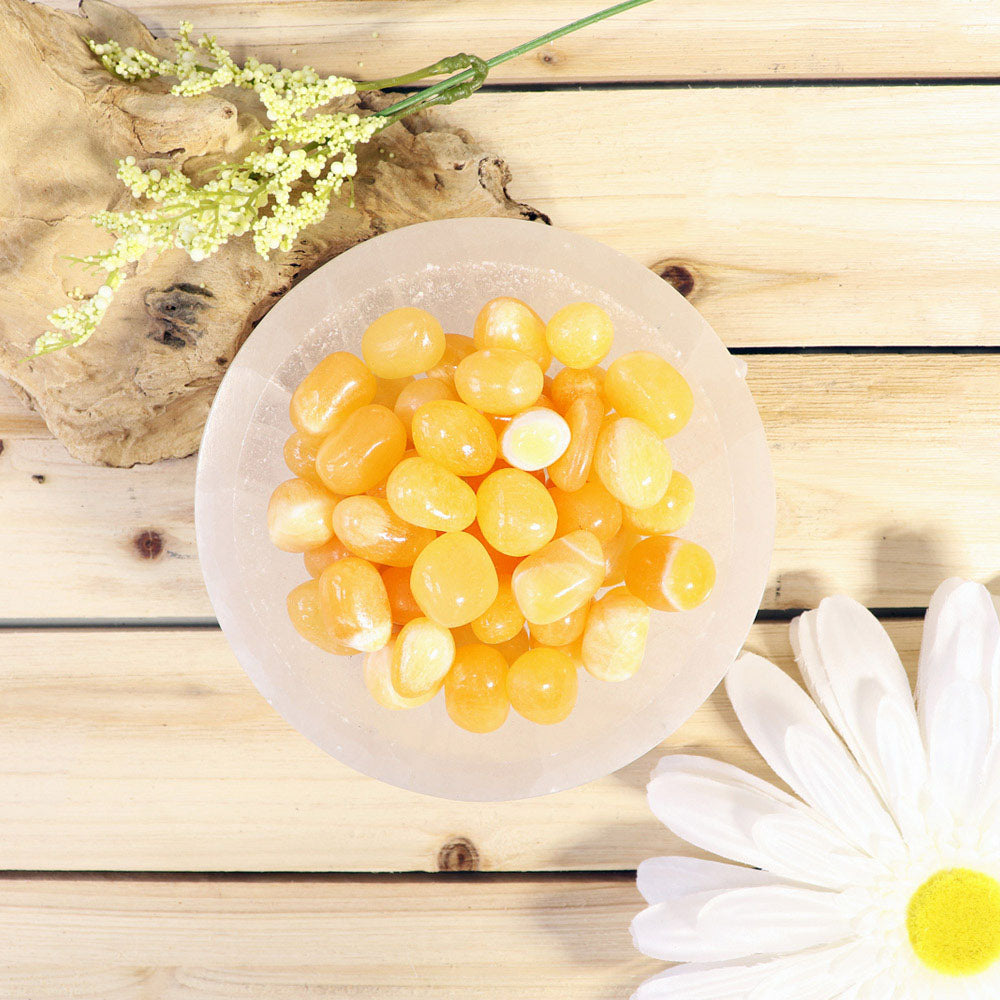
{"x":881,"y":880}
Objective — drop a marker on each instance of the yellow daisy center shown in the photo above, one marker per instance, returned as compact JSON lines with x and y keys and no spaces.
{"x":954,"y":922}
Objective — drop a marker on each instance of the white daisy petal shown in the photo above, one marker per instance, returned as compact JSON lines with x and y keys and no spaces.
{"x":737,"y":980}
{"x":833,"y":978}
{"x":855,"y":674}
{"x":990,"y":818}
{"x":663,"y":879}
{"x":883,"y":987}
{"x":957,"y":727}
{"x":717,"y":926}
{"x":961,"y":639}
{"x":959,"y":682}
{"x":785,"y":725}
{"x":904,"y":762}
{"x":728,"y":812}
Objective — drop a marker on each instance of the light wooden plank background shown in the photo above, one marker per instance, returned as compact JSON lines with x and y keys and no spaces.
{"x":151,"y":750}
{"x":881,"y":494}
{"x":667,"y":40}
{"x":817,"y":217}
{"x":279,"y":939}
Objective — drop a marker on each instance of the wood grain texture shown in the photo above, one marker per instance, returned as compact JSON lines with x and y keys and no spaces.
{"x":151,"y":750}
{"x":680,"y":40}
{"x":794,"y":216}
{"x":885,"y":469}
{"x":819,"y":216}
{"x":16,"y":419}
{"x":414,"y":938}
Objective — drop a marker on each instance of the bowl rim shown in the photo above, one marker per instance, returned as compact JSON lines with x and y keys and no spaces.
{"x":756,"y":535}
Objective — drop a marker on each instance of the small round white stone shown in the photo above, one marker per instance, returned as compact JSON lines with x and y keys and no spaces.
{"x":534,"y":439}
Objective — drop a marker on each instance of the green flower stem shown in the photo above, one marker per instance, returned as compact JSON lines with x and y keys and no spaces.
{"x":447,"y":65}
{"x":457,"y":86}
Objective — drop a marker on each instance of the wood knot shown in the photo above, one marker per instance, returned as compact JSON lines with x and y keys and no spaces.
{"x":458,"y":855}
{"x":677,"y":274}
{"x":38,"y":477}
{"x":149,"y":544}
{"x":549,"y":57}
{"x":1,"y":447}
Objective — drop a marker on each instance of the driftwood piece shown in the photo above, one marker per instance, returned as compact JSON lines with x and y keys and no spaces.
{"x":140,"y":389}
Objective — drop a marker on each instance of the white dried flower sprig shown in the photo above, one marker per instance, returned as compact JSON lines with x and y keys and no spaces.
{"x":273,"y":193}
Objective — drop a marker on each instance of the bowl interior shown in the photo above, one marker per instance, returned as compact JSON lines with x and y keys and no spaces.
{"x":451,"y":268}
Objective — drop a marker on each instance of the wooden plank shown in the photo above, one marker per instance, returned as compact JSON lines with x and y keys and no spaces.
{"x":17,"y":420}
{"x":680,"y":40}
{"x":794,"y":216}
{"x":88,"y":542}
{"x":886,"y":469}
{"x":150,"y":750}
{"x":819,"y":216}
{"x":412,"y":937}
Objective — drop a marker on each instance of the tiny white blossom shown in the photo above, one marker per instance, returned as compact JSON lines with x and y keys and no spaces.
{"x":267,"y":194}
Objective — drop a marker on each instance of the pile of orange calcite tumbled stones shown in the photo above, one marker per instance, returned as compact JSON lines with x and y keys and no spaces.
{"x":460,"y":511}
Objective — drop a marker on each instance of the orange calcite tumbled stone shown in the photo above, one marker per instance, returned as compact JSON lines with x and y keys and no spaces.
{"x":388,"y":390}
{"x":355,"y":604}
{"x":300,"y":455}
{"x":513,"y":648}
{"x":572,"y":383}
{"x":316,"y":560}
{"x":632,"y":462}
{"x":559,"y":578}
{"x":644,"y":386}
{"x":510,"y":323}
{"x":455,"y":436}
{"x":475,"y":690}
{"x":418,"y":392}
{"x":454,"y":580}
{"x":670,"y":574}
{"x":300,"y":515}
{"x":456,"y":347}
{"x":670,"y":513}
{"x":590,"y":508}
{"x":542,"y":685}
{"x":361,"y":450}
{"x":499,"y":381}
{"x":515,"y":512}
{"x":372,"y":530}
{"x":403,"y":342}
{"x":614,"y":641}
{"x":402,"y":604}
{"x":339,"y":384}
{"x":306,"y":616}
{"x":421,"y":657}
{"x":378,"y":680}
{"x":505,"y":564}
{"x":584,"y":417}
{"x":580,"y":334}
{"x":422,"y":492}
{"x":616,"y":553}
{"x":563,"y":630}
{"x":502,"y":620}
